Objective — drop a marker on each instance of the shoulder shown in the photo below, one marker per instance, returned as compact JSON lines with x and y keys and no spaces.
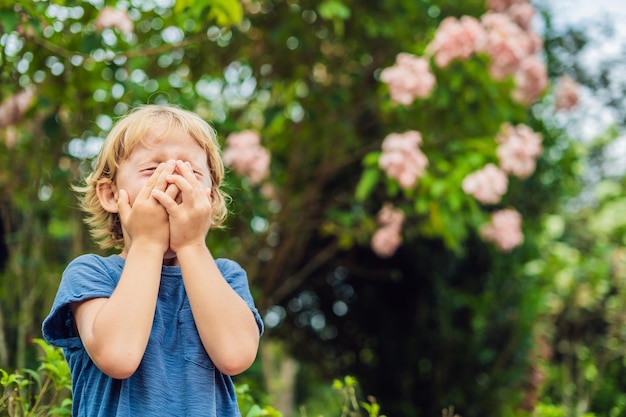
{"x":234,"y":274}
{"x":93,"y":261}
{"x":94,"y":267}
{"x":228,"y":266}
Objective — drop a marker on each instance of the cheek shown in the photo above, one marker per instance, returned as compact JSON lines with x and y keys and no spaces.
{"x":132,"y":188}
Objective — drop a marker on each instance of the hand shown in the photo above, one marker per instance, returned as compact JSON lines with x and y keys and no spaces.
{"x":189,"y":220}
{"x":146,"y":220}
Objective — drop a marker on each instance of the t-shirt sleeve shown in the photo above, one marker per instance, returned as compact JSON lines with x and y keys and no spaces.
{"x":237,"y":278}
{"x":84,"y":278}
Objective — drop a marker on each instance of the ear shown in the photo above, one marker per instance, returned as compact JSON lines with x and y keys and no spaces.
{"x":108,"y":195}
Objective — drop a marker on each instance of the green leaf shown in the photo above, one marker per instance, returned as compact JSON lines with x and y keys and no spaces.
{"x":8,"y":20}
{"x":366,"y":185}
{"x":371,"y":159}
{"x":333,"y":9}
{"x":254,"y":411}
{"x":226,"y":12}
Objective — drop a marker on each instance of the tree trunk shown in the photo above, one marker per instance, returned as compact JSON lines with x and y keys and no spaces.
{"x":279,"y":373}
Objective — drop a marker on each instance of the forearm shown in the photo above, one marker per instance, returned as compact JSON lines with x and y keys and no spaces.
{"x":116,"y":331}
{"x":224,"y":321}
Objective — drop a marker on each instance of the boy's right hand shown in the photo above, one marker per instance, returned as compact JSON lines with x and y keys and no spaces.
{"x":145,"y":220}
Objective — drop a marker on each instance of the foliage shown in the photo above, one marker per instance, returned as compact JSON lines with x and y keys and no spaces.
{"x":583,"y":269}
{"x":447,"y":319}
{"x":45,"y":391}
{"x":249,"y":406}
{"x":351,"y":405}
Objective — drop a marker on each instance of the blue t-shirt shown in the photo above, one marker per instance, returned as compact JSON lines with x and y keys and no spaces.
{"x":175,"y":377}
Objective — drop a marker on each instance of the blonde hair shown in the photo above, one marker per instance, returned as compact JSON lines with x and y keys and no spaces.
{"x":105,"y":227}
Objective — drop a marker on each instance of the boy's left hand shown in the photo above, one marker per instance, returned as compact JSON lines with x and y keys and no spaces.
{"x":190,"y":219}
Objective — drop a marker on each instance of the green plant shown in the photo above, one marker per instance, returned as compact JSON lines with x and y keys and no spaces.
{"x":351,"y":405}
{"x":42,"y":392}
{"x":249,"y":406}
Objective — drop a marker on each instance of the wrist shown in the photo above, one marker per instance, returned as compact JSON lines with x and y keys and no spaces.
{"x":190,"y":249}
{"x":147,"y":245}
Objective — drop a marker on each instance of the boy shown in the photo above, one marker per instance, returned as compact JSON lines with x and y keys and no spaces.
{"x":158,"y":329}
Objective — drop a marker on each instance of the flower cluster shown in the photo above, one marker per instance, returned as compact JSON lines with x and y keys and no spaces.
{"x":487,"y":185}
{"x":13,"y":108}
{"x":408,"y":79}
{"x":456,"y":38}
{"x":504,"y":230}
{"x":518,"y":149}
{"x":245,"y":155}
{"x":504,"y":34}
{"x":566,"y":93}
{"x":402,"y":158}
{"x":513,"y":49}
{"x":502,"y":5}
{"x":110,"y":17}
{"x":388,"y":237}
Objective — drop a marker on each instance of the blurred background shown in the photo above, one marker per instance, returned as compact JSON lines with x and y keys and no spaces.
{"x":427,"y":195}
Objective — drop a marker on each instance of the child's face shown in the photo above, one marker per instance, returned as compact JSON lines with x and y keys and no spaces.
{"x":135,"y":171}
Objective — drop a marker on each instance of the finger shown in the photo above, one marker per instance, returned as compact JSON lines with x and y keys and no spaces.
{"x":166,"y":201}
{"x":172,"y":189}
{"x":187,"y":172}
{"x":123,"y":203}
{"x":198,"y":185}
{"x":161,"y":181}
{"x":144,"y":193}
{"x":186,"y":190}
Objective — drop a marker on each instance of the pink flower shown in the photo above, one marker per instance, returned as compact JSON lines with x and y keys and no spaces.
{"x":531,"y":79}
{"x":385,"y":242}
{"x":502,"y":5}
{"x":246,"y":156}
{"x":409,"y":79}
{"x":518,"y":150}
{"x":13,"y":108}
{"x":487,"y":185}
{"x":389,"y":216}
{"x":388,"y":237}
{"x":506,"y":43}
{"x":456,"y":38}
{"x":505,"y":230}
{"x":110,"y":17}
{"x":566,"y":93}
{"x":522,"y":14}
{"x":269,"y":192}
{"x":402,"y":159}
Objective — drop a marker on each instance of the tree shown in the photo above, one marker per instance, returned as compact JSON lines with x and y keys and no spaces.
{"x":315,"y":80}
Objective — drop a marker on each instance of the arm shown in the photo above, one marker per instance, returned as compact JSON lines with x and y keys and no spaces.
{"x":115,"y":330}
{"x":226,"y":325}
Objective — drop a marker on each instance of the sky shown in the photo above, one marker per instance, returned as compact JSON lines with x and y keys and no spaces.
{"x":593,"y":15}
{"x":581,"y":10}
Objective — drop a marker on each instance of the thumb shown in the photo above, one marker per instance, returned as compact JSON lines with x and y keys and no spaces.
{"x":123,"y":202}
